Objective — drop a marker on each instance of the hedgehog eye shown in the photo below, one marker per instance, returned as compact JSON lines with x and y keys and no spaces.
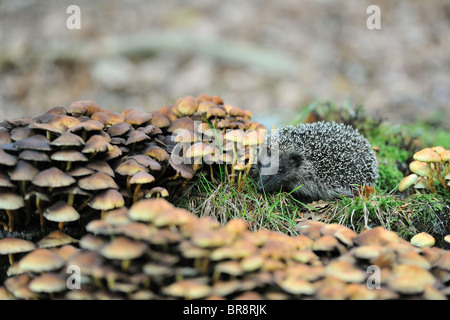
{"x":281,"y":170}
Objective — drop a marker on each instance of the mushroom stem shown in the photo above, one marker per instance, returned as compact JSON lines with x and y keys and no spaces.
{"x":128,"y":184}
{"x":136,"y":193}
{"x":441,"y":179}
{"x":23,"y":187}
{"x":41,"y":213}
{"x":11,"y":259}
{"x":233,"y":177}
{"x":93,"y":154}
{"x":5,"y":226}
{"x":70,"y":199}
{"x":10,"y":220}
{"x":102,"y":215}
{"x":69,"y":165}
{"x":430,"y":178}
{"x":126,"y":264}
{"x":61,"y":226}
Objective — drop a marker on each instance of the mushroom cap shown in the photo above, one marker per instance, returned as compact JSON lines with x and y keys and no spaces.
{"x":419,"y":168}
{"x":41,"y":260}
{"x":122,"y":248}
{"x":142,"y":177}
{"x":235,"y":135}
{"x":187,"y":289}
{"x":68,"y":139}
{"x":423,"y":239}
{"x":254,"y":137}
{"x":5,"y":181}
{"x":156,"y":153}
{"x":35,"y":142}
{"x":53,"y":177}
{"x":187,"y":106}
{"x":136,"y":136}
{"x":84,"y":107}
{"x":199,"y":149}
{"x":185,"y":136}
{"x":107,"y":200}
{"x":34,"y":155}
{"x":68,"y":155}
{"x":407,"y":182}
{"x":11,"y":201}
{"x":136,"y":117}
{"x":23,"y":171}
{"x":97,"y":181}
{"x":97,"y":143}
{"x":160,"y":121}
{"x":129,"y":167}
{"x":55,"y":239}
{"x":7,"y":159}
{"x":162,"y":191}
{"x":15,"y":245}
{"x":119,"y":129}
{"x":146,"y":210}
{"x":180,"y":124}
{"x":216,"y":112}
{"x":445,"y":156}
{"x":61,"y":212}
{"x":48,"y":282}
{"x":427,"y":155}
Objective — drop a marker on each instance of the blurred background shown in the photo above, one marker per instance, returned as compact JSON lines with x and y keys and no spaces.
{"x":272,"y":57}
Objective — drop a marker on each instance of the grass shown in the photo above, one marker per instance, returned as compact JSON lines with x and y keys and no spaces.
{"x":405,"y":213}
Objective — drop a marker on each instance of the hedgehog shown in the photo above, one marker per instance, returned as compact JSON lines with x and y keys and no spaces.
{"x":313,"y":161}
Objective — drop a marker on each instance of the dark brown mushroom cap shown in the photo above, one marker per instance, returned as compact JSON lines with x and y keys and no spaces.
{"x":136,"y":117}
{"x":136,"y":136}
{"x":45,"y":127}
{"x":15,"y":245}
{"x":97,"y":143}
{"x":68,"y":139}
{"x":61,"y":212}
{"x":7,"y":159}
{"x":23,"y":171}
{"x":5,"y":181}
{"x":33,"y":155}
{"x":11,"y":201}
{"x":84,"y":107}
{"x":97,"y":181}
{"x":35,"y":142}
{"x":21,"y":133}
{"x":119,"y":129}
{"x":146,"y":161}
{"x":53,"y":177}
{"x":89,"y":125}
{"x":149,"y":129}
{"x":64,"y":122}
{"x":80,"y":172}
{"x":68,"y":156}
{"x":107,"y":200}
{"x":101,"y":166}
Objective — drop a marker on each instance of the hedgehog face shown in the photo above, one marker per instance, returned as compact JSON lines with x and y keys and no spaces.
{"x":282,"y":175}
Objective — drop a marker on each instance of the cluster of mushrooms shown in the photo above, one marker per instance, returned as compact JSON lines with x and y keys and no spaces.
{"x":430,"y":166}
{"x":154,"y":250}
{"x":68,"y":166}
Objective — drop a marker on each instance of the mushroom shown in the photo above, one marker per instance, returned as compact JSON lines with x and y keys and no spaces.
{"x":107,"y":200}
{"x":55,"y":239}
{"x":41,"y":260}
{"x":159,"y":191}
{"x":407,"y":182}
{"x":423,"y":239}
{"x":61,"y":212}
{"x":187,"y":106}
{"x":428,"y":156}
{"x":139,"y":179}
{"x":10,"y":201}
{"x":237,"y":137}
{"x":122,"y":248}
{"x":10,"y":246}
{"x":48,"y":283}
{"x":68,"y":156}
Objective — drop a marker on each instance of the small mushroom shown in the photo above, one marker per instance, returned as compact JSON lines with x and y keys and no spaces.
{"x":10,"y":246}
{"x":61,"y":212}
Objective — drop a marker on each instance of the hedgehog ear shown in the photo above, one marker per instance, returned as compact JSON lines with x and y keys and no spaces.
{"x":296,"y":158}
